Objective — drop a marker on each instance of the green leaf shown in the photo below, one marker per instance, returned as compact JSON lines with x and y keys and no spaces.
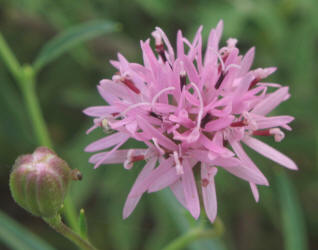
{"x":293,"y":221}
{"x":82,"y":224}
{"x":70,"y":38}
{"x":16,"y":237}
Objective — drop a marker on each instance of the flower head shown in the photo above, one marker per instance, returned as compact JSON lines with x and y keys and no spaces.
{"x":192,"y":111}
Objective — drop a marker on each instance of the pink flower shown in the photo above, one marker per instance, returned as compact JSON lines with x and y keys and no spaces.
{"x":193,"y":112}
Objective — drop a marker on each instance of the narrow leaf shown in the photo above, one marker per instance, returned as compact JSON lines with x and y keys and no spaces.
{"x":82,"y":224}
{"x":70,"y":38}
{"x":17,"y":237}
{"x":293,"y":221}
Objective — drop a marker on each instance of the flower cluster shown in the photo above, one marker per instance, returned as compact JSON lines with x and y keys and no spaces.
{"x":193,"y":112}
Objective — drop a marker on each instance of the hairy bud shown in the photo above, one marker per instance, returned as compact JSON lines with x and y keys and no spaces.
{"x":39,"y":182}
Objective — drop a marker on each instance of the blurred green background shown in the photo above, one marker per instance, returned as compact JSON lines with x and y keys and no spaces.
{"x":285,"y":33}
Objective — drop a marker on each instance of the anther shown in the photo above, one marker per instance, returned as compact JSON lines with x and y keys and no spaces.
{"x":129,"y":83}
{"x":132,"y":158}
{"x":159,"y":45}
{"x":105,"y":125}
{"x":276,"y":132}
{"x":183,"y":79}
{"x":220,"y":80}
{"x":242,"y":123}
{"x":254,"y":82}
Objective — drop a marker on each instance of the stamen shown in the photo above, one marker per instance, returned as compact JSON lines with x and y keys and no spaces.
{"x":239,"y":124}
{"x":253,"y":83}
{"x":159,"y":45}
{"x":105,"y":125}
{"x":231,"y":43}
{"x":128,"y":164}
{"x":262,"y":132}
{"x":276,"y":132}
{"x":137,"y":158}
{"x":129,"y":83}
{"x":179,"y":167}
{"x":200,"y":113}
{"x":250,"y":122}
{"x":183,"y":77}
{"x":155,"y":142}
{"x":221,"y":61}
{"x":232,"y":65}
{"x":220,"y":80}
{"x":160,"y":93}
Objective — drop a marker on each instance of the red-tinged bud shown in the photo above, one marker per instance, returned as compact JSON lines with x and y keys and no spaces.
{"x":39,"y":182}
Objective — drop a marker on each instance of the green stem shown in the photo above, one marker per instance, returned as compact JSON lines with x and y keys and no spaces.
{"x":196,"y":234}
{"x":26,"y":79}
{"x":70,"y":214}
{"x":27,"y":84}
{"x":9,"y":58}
{"x":57,"y":224}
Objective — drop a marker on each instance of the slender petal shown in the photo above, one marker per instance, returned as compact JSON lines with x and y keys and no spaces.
{"x":132,"y":202}
{"x":106,"y":142}
{"x":269,"y":152}
{"x":190,"y":191}
{"x":208,"y":191}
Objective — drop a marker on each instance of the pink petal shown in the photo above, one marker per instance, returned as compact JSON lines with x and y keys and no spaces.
{"x":218,"y":124}
{"x":247,"y":61}
{"x":254,"y":191}
{"x":208,"y":191}
{"x":269,"y":152}
{"x":107,"y":142}
{"x":108,"y":97}
{"x":98,"y":111}
{"x":119,"y":90}
{"x":274,"y":121}
{"x":165,"y":180}
{"x":167,"y":42}
{"x":151,"y":178}
{"x":117,"y":157}
{"x":271,"y":101}
{"x":154,"y":133}
{"x":213,"y":42}
{"x":248,"y":163}
{"x":190,"y":190}
{"x":180,"y":47}
{"x":132,"y":202}
{"x":177,"y":190}
{"x":109,"y":153}
{"x":246,"y":173}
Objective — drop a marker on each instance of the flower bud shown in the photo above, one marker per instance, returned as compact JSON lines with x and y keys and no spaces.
{"x":39,"y":182}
